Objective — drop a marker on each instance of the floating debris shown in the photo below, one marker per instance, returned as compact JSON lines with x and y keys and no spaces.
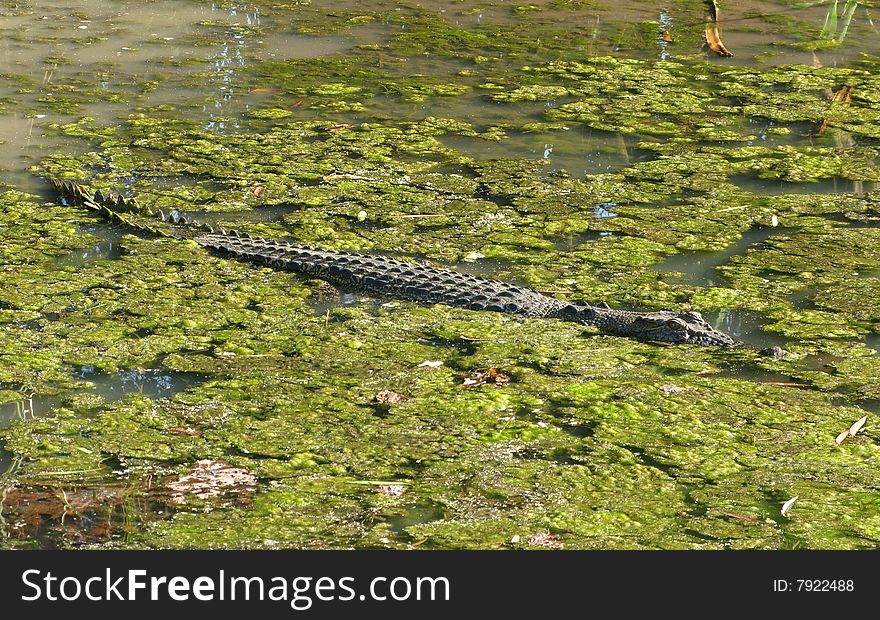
{"x":431,"y":364}
{"x":391,"y":490}
{"x":544,"y":539}
{"x":713,"y":38}
{"x":842,"y":98}
{"x":851,"y":431}
{"x":787,"y":505}
{"x":490,"y":375}
{"x":390,"y":396}
{"x":210,"y":480}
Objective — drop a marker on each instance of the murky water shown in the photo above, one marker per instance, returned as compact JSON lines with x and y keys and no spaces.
{"x":110,"y":387}
{"x":699,"y":268}
{"x":192,"y":55}
{"x":200,"y":61}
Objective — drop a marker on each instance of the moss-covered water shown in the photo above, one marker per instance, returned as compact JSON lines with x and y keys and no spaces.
{"x":153,"y":395}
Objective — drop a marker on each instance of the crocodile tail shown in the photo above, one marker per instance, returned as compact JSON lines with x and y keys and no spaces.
{"x":118,"y":208}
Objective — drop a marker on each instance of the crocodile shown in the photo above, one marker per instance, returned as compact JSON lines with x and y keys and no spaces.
{"x":389,"y":277}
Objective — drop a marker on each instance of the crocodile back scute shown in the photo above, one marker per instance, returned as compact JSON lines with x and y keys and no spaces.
{"x":387,"y":276}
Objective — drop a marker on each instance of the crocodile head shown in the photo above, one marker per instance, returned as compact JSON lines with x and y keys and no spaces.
{"x":677,"y":327}
{"x":661,"y":326}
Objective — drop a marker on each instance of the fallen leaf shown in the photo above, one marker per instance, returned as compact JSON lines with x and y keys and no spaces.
{"x":389,"y":396}
{"x":296,"y":104}
{"x":490,"y":375}
{"x":431,"y":364}
{"x":338,"y":126}
{"x":544,"y":539}
{"x":851,"y":431}
{"x":713,"y":40}
{"x":258,"y":190}
{"x":391,"y":490}
{"x":210,"y":479}
{"x":672,"y":389}
{"x":788,"y":505}
{"x":667,"y":38}
{"x":857,"y":426}
{"x":841,"y":98}
{"x":263,"y":91}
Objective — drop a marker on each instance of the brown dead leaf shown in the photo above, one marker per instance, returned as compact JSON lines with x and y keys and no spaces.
{"x":81,"y":514}
{"x":210,"y":479}
{"x":713,"y":40}
{"x":544,"y":539}
{"x":258,"y":190}
{"x":841,"y":98}
{"x":338,"y":126}
{"x":391,"y":490}
{"x":490,"y":375}
{"x":667,"y":38}
{"x":390,"y":396}
{"x":296,"y":104}
{"x":263,"y":90}
{"x":672,"y":389}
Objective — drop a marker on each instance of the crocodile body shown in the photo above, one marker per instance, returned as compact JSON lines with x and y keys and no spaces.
{"x":383,"y":276}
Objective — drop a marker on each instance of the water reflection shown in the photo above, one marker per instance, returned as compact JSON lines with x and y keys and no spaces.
{"x":154,"y":383}
{"x":699,"y":267}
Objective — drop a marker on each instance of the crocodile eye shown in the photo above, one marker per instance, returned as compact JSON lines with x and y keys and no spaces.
{"x":677,"y":325}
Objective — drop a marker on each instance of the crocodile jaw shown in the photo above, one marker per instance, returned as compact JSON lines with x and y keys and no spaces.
{"x":661,"y":326}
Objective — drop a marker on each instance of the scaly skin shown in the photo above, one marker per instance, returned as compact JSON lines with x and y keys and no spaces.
{"x":384,"y":276}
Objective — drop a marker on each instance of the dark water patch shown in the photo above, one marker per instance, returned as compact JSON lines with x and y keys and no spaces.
{"x":869,"y":404}
{"x":647,"y":460}
{"x":698,"y":268}
{"x":775,"y":187}
{"x":418,"y":514}
{"x":484,"y":267}
{"x":462,"y":347}
{"x":344,"y":299}
{"x":267,"y":214}
{"x":802,"y":299}
{"x":823,"y":362}
{"x":855,"y":220}
{"x":578,"y":150}
{"x":154,"y":383}
{"x":572,"y":242}
{"x":873,"y":341}
{"x":8,"y":461}
{"x":107,"y":247}
{"x":31,"y":406}
{"x":745,"y":326}
{"x":756,"y":374}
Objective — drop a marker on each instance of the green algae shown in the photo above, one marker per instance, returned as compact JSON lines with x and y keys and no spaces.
{"x":604,"y":442}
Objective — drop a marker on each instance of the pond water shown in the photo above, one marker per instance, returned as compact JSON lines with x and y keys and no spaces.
{"x":594,"y":150}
